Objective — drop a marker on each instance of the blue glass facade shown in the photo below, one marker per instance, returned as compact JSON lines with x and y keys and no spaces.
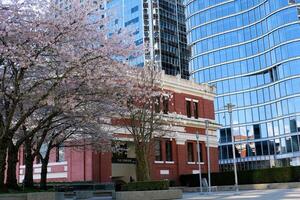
{"x":250,"y":49}
{"x":123,"y":14}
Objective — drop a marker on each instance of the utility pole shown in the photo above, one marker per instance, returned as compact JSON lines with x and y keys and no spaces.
{"x":208,"y":154}
{"x":229,"y":107}
{"x":199,"y":162}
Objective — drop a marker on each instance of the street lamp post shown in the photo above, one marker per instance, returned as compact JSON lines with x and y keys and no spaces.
{"x":229,"y":107}
{"x":208,"y":155}
{"x":199,"y":162}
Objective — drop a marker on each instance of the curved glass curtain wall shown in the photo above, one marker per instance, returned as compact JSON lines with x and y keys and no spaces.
{"x":250,"y":49}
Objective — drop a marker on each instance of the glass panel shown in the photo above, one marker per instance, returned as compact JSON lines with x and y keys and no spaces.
{"x":250,"y":133}
{"x":169,"y":151}
{"x":265,"y":148}
{"x":157,"y":148}
{"x":271,"y":147}
{"x":224,"y":152}
{"x":288,"y":141}
{"x":258,"y":148}
{"x":295,"y":143}
{"x":256,"y":131}
{"x":277,"y":146}
{"x":283,"y":145}
{"x":293,"y":125}
{"x":251,"y":149}
{"x":230,"y":151}
{"x":223,"y":136}
{"x":188,"y":109}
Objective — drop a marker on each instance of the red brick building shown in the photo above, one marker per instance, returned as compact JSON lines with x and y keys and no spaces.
{"x":175,"y":153}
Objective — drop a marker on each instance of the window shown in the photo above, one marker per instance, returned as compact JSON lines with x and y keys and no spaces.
{"x":195,"y":107}
{"x":188,"y":108}
{"x":292,"y":1}
{"x":157,"y":149}
{"x":24,"y":156}
{"x":157,"y":104}
{"x":295,"y":143}
{"x":169,"y":151}
{"x":256,"y":131}
{"x":258,"y":148}
{"x":222,"y":137}
{"x":134,"y":9}
{"x":60,"y":154}
{"x":190,"y":149}
{"x":200,"y":149}
{"x":138,"y":42}
{"x":293,"y":125}
{"x":119,"y":152}
{"x":133,"y":21}
{"x":43,"y":151}
{"x":165,"y":105}
{"x":273,"y":74}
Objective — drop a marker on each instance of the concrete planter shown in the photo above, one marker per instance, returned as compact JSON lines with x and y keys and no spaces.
{"x":13,"y":196}
{"x":261,"y":186}
{"x":34,"y":196}
{"x":148,"y":195}
{"x":84,"y":194}
{"x":45,"y":196}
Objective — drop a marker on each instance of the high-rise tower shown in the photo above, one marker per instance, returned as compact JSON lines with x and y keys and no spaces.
{"x":160,"y":24}
{"x":250,"y":49}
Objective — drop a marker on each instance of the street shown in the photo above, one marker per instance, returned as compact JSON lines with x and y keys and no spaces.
{"x":276,"y":194}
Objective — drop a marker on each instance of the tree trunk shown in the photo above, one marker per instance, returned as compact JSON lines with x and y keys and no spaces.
{"x":43,"y":181}
{"x":142,"y":165}
{"x":11,"y":166}
{"x":3,"y":150}
{"x":29,"y":159}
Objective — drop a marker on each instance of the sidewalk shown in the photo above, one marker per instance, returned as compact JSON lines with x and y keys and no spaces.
{"x":275,"y":194}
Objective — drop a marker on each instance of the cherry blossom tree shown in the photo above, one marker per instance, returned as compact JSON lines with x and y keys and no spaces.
{"x":141,"y":113}
{"x":53,"y":62}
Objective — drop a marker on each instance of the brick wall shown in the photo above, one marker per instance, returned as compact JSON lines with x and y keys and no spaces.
{"x":86,"y":165}
{"x":166,"y":170}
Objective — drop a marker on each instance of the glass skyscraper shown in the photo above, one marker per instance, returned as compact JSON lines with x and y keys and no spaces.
{"x":160,"y":24}
{"x":250,"y":50}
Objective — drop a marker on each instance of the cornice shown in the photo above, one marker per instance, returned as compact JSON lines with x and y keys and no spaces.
{"x":179,"y":85}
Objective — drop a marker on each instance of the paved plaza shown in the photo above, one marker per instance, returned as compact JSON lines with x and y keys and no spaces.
{"x":276,"y":194}
{"x":94,"y":198}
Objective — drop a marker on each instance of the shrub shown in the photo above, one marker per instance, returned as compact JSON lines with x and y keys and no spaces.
{"x":147,"y":185}
{"x":172,"y":183}
{"x":271,"y":175}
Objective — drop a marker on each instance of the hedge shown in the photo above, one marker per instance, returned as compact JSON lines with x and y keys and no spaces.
{"x":271,"y":175}
{"x":147,"y":185}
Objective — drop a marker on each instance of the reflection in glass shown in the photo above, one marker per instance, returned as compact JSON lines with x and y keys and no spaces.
{"x":258,"y":71}
{"x":283,"y":145}
{"x":250,"y":133}
{"x":265,"y":148}
{"x":256,"y":128}
{"x":276,"y":128}
{"x":271,"y":146}
{"x":258,"y":148}
{"x":277,"y":146}
{"x":293,"y":125}
{"x":288,"y":141}
{"x":250,"y":149}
